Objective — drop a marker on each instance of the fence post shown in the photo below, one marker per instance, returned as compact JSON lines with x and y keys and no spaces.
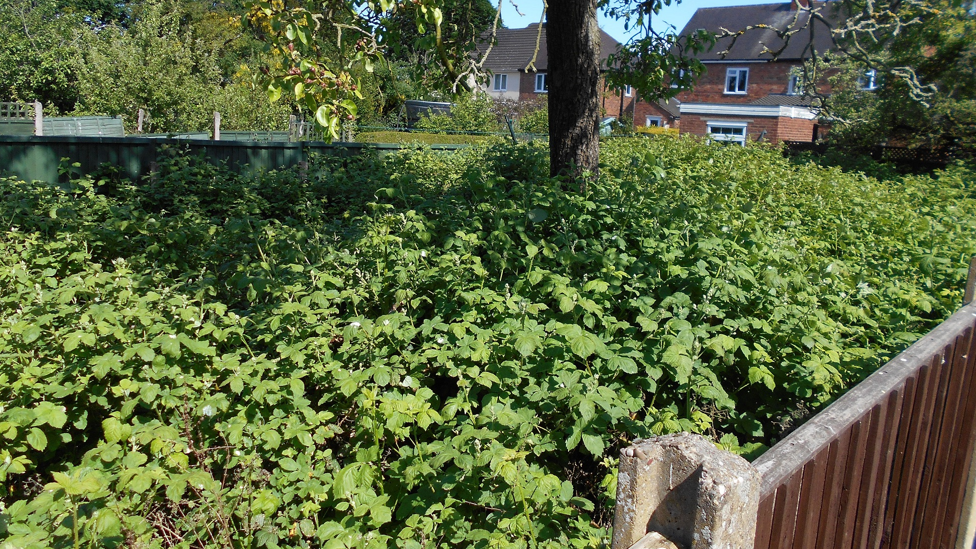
{"x":38,"y":118}
{"x":682,"y":491}
{"x":142,"y":117}
{"x":216,"y":134}
{"x":970,"y":283}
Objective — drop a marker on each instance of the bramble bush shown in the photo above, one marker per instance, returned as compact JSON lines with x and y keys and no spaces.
{"x":434,"y":349}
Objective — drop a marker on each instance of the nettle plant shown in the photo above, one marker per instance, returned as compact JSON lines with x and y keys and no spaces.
{"x":435,"y":349}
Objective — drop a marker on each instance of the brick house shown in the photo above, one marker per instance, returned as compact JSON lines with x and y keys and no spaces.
{"x":745,"y":94}
{"x":514,"y":77}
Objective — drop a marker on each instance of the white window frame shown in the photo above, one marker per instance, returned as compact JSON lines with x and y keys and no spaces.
{"x":741,"y":76}
{"x":868,"y":81}
{"x":501,"y":79}
{"x":795,"y":85}
{"x":711,"y":126}
{"x":681,"y":74}
{"x":541,"y":83}
{"x":628,"y":90}
{"x":658,"y":122}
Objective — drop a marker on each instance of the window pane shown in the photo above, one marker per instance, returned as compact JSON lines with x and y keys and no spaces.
{"x":735,"y":80}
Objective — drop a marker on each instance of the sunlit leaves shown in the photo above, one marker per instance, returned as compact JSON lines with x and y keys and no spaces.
{"x":385,"y":349}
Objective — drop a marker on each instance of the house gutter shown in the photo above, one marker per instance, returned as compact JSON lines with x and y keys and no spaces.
{"x":769,"y":111}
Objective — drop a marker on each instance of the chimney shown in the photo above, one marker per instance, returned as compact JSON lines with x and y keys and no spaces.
{"x":798,"y":4}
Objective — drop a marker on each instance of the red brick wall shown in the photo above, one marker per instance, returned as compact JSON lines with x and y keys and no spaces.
{"x":612,"y":101}
{"x":764,"y":79}
{"x":527,"y":86}
{"x":777,"y":128}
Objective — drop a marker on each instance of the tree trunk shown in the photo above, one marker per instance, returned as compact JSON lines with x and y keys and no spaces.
{"x":573,"y":39}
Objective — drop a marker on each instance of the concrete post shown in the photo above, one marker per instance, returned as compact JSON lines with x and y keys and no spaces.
{"x":216,"y":133}
{"x":38,"y":118}
{"x":686,"y":491}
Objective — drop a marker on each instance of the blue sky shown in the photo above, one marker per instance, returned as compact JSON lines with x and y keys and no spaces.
{"x":676,"y":14}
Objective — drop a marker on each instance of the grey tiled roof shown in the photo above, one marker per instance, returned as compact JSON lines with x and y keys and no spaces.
{"x":787,"y":100}
{"x":750,"y":45}
{"x":672,"y":106}
{"x":514,"y":47}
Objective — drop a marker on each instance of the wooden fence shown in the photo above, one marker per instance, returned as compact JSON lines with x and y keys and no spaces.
{"x":38,"y":158}
{"x":888,"y":465}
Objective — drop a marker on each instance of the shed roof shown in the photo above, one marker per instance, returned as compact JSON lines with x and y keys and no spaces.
{"x":750,"y":46}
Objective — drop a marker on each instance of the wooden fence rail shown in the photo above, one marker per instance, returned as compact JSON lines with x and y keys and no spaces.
{"x":887,"y":465}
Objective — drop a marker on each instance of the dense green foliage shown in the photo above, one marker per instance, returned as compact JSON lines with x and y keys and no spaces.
{"x":434,"y":349}
{"x":924,"y":84}
{"x":483,"y":114}
{"x":180,"y":60}
{"x":422,"y":138}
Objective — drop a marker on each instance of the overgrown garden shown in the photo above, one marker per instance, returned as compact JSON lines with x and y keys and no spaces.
{"x":434,"y":349}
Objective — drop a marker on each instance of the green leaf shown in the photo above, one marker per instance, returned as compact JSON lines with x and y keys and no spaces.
{"x":622,"y":363}
{"x":538,"y":215}
{"x":50,"y":413}
{"x":37,"y":439}
{"x":169,"y":344}
{"x":107,"y":522}
{"x":145,"y":353}
{"x":526,"y":342}
{"x":350,"y":106}
{"x":140,"y":483}
{"x":587,"y":410}
{"x":585,"y":345}
{"x":274,"y":92}
{"x":31,"y":333}
{"x":272,"y":439}
{"x":113,"y":429}
{"x":323,"y":115}
{"x":593,"y":444}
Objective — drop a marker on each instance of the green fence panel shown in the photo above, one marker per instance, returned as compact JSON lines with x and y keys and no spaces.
{"x":16,"y":127}
{"x":264,"y":137}
{"x":84,"y":126}
{"x":39,"y":158}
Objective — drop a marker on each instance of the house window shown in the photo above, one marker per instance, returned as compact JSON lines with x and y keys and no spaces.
{"x":628,"y":90}
{"x":541,"y":83}
{"x":653,"y":121}
{"x":501,"y":82}
{"x":734,"y":132}
{"x":736,"y":81}
{"x":675,"y":79}
{"x":795,"y":87}
{"x":868,"y":81}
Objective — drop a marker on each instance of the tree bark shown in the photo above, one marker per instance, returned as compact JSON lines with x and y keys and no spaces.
{"x":573,"y":40}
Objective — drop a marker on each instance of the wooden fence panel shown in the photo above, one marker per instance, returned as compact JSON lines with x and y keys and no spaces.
{"x":887,"y":464}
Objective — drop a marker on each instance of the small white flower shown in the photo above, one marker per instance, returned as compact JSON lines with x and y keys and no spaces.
{"x":562,"y":385}
{"x":237,"y":452}
{"x":355,"y":324}
{"x":406,"y":382}
{"x":172,"y":336}
{"x":208,"y":410}
{"x":440,"y":340}
{"x":423,"y":253}
{"x":386,"y":322}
